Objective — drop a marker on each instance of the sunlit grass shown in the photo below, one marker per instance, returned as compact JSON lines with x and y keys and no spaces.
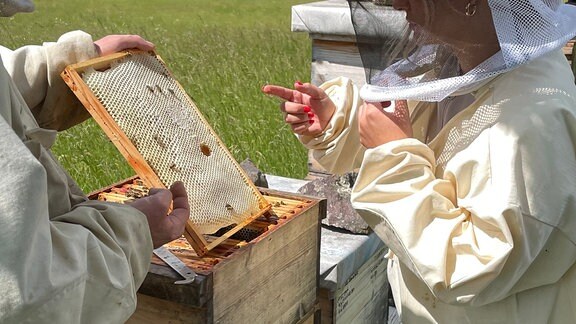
{"x":222,"y":52}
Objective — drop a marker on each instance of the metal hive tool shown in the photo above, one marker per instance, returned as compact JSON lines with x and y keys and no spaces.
{"x":157,"y":127}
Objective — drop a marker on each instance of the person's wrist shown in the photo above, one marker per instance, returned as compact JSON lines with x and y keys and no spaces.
{"x":98,"y":49}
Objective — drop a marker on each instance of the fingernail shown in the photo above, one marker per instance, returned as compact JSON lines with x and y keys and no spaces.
{"x":310,"y":115}
{"x":307,"y":109}
{"x":311,"y":121}
{"x":386,"y":104}
{"x":299,"y":83}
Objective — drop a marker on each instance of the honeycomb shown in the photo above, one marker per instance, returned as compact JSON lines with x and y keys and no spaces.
{"x":165,"y":126}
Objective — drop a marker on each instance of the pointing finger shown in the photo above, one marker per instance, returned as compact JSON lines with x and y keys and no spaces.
{"x":280,"y":92}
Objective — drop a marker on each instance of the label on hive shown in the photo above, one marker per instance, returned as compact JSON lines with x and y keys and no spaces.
{"x":165,"y":127}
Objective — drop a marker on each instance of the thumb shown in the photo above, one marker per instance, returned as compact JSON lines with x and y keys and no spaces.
{"x":162,"y":196}
{"x":180,"y":204}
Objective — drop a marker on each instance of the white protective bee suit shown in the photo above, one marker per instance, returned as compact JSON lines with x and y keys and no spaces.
{"x":480,"y":219}
{"x":479,"y":207}
{"x":63,"y":259}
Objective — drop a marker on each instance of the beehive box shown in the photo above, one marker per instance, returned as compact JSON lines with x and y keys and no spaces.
{"x":265,"y":274}
{"x":256,"y":252}
{"x":362,"y":299}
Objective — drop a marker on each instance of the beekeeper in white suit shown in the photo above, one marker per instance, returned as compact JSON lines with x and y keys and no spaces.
{"x":472,"y":182}
{"x":64,"y":259}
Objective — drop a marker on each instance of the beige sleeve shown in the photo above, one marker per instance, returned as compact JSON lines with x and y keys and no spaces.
{"x":83,"y":266}
{"x":497,"y":220}
{"x":36,"y":72}
{"x":338,"y":149}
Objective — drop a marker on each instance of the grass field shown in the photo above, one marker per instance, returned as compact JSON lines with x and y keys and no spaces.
{"x":222,"y":52}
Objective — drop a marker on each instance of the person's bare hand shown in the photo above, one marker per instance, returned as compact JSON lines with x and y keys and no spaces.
{"x":307,"y":108}
{"x":165,"y":227}
{"x":115,"y":43}
{"x":378,"y":125}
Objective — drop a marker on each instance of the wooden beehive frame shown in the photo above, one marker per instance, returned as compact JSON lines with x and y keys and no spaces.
{"x":72,"y":77}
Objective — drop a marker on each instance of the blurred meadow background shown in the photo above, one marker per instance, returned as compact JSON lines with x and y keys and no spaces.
{"x":222,"y":52}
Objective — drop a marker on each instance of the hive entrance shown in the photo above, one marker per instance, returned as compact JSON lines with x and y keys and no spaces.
{"x":162,"y":134}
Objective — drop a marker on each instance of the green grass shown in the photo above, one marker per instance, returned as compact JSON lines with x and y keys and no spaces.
{"x":222,"y":52}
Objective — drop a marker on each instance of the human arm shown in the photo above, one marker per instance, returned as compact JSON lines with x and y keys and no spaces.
{"x":68,"y":268}
{"x":36,"y":72}
{"x":487,"y":221}
{"x":334,"y":140}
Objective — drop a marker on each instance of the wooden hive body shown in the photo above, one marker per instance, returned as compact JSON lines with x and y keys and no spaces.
{"x":272,"y":278}
{"x":262,"y":269}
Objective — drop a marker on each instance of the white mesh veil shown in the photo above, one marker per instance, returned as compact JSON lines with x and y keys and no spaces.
{"x":426,"y":64}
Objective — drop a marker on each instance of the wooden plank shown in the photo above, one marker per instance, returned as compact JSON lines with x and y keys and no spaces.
{"x":375,"y":311}
{"x":276,"y":274}
{"x":326,"y":306}
{"x":248,"y":289}
{"x":238,"y":227}
{"x":364,"y":299}
{"x":159,"y":283}
{"x":99,"y":63}
{"x":303,"y":314}
{"x":345,"y":53}
{"x":151,"y":310}
{"x":334,"y":38}
{"x":313,"y":316}
{"x":331,"y":59}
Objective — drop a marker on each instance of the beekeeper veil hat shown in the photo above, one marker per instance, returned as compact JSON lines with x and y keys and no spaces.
{"x":11,"y":7}
{"x":427,"y":62}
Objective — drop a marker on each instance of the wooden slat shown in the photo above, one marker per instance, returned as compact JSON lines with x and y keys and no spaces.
{"x":336,"y":52}
{"x":273,"y":276}
{"x":332,"y":59}
{"x":155,"y":310}
{"x":364,"y":299}
{"x":236,"y":228}
{"x":326,"y":306}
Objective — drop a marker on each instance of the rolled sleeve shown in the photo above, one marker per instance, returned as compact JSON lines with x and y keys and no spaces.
{"x":68,"y":268}
{"x":461,"y":231}
{"x":338,"y":148}
{"x":36,"y":72}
